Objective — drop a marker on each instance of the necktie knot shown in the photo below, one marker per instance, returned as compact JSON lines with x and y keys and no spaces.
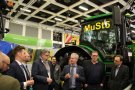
{"x":22,"y":66}
{"x":72,"y":66}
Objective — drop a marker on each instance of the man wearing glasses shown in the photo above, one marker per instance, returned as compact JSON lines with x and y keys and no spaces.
{"x":119,"y":75}
{"x":7,"y":82}
{"x":94,"y":73}
{"x":42,"y":72}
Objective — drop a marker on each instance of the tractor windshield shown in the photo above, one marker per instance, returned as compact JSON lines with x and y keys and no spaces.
{"x":100,"y":34}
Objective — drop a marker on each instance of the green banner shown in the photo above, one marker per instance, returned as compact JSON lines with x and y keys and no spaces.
{"x":18,"y":39}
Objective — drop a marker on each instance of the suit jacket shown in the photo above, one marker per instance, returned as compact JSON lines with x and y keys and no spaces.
{"x":8,"y":83}
{"x":40,"y":75}
{"x":56,"y":73}
{"x":120,"y":81}
{"x":133,"y":79}
{"x":78,"y":81}
{"x":16,"y":71}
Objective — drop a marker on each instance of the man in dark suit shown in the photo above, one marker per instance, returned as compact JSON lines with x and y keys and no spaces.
{"x":119,"y":75}
{"x":94,"y":71}
{"x":17,"y":69}
{"x":28,"y":59}
{"x":72,"y":74}
{"x":42,"y":72}
{"x":7,"y":82}
{"x":56,"y":73}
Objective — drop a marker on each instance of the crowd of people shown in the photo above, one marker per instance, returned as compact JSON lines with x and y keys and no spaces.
{"x":48,"y":75}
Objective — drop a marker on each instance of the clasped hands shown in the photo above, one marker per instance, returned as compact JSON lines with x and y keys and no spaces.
{"x":68,"y":76}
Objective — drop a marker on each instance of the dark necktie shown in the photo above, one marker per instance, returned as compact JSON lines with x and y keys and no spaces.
{"x":26,"y":72}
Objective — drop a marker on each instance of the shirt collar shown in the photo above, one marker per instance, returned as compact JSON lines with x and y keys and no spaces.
{"x":24,"y":64}
{"x":95,"y":62}
{"x":41,"y":59}
{"x":44,"y":61}
{"x":119,"y":66}
{"x":73,"y":65}
{"x":18,"y":62}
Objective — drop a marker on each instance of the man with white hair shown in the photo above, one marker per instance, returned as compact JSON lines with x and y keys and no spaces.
{"x":72,"y":74}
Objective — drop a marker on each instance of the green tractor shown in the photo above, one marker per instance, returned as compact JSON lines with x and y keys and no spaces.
{"x":109,"y":34}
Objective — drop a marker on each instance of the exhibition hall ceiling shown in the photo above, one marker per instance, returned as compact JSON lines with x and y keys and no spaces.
{"x":64,"y":14}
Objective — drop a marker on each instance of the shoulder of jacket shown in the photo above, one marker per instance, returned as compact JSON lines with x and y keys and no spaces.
{"x":79,"y":66}
{"x":125,"y":66}
{"x":37,"y":61}
{"x":8,"y":77}
{"x":101,"y":62}
{"x":66,"y":66}
{"x":86,"y":61}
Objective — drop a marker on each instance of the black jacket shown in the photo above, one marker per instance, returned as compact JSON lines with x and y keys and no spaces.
{"x":16,"y":71}
{"x":120,"y":81}
{"x":40,"y":75}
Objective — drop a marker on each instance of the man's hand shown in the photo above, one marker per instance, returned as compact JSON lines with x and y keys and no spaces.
{"x":67,"y":76}
{"x":76,"y":76}
{"x":101,"y":85}
{"x":30,"y":82}
{"x":85,"y":85}
{"x":49,"y":80}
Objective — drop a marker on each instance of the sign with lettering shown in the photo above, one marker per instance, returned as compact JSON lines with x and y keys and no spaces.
{"x":98,"y":25}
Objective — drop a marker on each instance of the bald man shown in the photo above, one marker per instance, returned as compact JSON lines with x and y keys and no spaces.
{"x":7,"y":82}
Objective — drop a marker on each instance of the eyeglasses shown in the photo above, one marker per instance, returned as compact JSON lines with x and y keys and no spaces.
{"x":46,"y":55}
{"x":117,"y":61}
{"x":94,"y":55}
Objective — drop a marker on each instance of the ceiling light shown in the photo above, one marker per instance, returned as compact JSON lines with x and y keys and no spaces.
{"x":58,"y":19}
{"x":133,"y":31}
{"x":25,"y":10}
{"x":73,"y":20}
{"x":83,"y":8}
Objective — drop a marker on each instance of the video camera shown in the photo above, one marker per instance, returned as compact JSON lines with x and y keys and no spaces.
{"x":4,"y":5}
